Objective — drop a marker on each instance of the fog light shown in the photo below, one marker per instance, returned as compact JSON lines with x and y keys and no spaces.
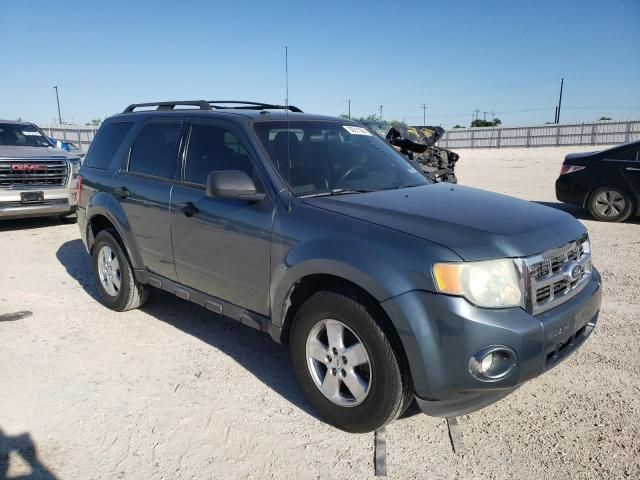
{"x":485,"y":366}
{"x":492,"y":363}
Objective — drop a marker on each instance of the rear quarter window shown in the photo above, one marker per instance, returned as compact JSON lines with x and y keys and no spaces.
{"x":106,"y":143}
{"x":154,"y":151}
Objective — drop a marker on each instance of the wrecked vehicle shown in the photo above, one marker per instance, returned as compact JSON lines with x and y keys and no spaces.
{"x":418,"y":144}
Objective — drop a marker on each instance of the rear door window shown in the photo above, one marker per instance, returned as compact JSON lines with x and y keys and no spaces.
{"x":626,"y":155}
{"x":155,"y":150}
{"x":106,"y":143}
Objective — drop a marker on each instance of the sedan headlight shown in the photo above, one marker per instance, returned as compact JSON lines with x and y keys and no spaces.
{"x":489,"y":284}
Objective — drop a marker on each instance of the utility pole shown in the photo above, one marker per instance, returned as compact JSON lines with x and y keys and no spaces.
{"x":477,"y":112}
{"x":559,"y":101}
{"x":380,"y":112}
{"x":493,"y":115}
{"x":58,"y":102}
{"x":485,"y":116}
{"x":424,"y":114}
{"x":349,"y":108}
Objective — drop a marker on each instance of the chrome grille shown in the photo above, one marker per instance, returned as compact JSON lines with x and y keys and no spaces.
{"x":555,"y":276}
{"x":16,"y":173}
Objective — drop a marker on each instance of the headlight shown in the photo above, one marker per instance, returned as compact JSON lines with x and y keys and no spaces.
{"x":74,"y":163}
{"x":490,"y":284}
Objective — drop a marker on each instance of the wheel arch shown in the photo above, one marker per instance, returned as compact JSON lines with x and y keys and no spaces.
{"x":307,"y":285}
{"x":105,"y":213}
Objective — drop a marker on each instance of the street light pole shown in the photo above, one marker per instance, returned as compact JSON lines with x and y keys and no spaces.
{"x":424,"y":114}
{"x":380,"y":112}
{"x":58,"y":102}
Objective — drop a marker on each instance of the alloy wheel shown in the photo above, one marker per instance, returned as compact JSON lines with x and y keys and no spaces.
{"x":610,"y":203}
{"x":109,"y":271}
{"x":338,"y":363}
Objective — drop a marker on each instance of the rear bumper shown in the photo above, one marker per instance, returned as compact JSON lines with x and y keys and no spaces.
{"x":570,"y":190}
{"x":57,"y":201}
{"x":441,"y":333}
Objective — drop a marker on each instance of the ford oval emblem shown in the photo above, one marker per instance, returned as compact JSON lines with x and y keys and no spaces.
{"x":573,"y":271}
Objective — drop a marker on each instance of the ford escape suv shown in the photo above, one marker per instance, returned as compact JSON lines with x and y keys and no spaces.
{"x":384,"y":286}
{"x":36,"y":179}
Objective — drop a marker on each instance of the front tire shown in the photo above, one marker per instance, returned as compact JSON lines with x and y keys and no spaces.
{"x":117,"y":285}
{"x":351,"y":372}
{"x":610,"y":204}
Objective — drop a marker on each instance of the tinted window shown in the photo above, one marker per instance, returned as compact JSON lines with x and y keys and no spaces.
{"x":22,"y":135}
{"x":107,"y":141}
{"x":155,"y":149}
{"x":628,"y":155}
{"x":214,"y":149}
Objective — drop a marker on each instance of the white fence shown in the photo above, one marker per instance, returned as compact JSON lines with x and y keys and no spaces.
{"x":598,"y":133}
{"x":81,"y":136}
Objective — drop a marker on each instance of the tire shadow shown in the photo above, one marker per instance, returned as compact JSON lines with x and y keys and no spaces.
{"x":253,"y":350}
{"x":29,"y":223}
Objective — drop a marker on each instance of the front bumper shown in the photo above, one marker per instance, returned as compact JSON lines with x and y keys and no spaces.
{"x":57,"y":201}
{"x":440,"y":333}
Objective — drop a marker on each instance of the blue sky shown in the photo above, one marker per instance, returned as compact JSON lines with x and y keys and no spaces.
{"x":502,"y":56}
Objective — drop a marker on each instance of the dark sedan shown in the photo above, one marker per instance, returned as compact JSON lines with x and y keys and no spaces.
{"x":607,"y":182}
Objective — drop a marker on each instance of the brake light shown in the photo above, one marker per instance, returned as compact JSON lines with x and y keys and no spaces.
{"x":570,"y":169}
{"x":78,"y":188}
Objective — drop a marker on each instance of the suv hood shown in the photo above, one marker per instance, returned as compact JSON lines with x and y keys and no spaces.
{"x":10,"y":151}
{"x":476,"y":224}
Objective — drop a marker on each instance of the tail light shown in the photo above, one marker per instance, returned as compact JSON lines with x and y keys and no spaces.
{"x":570,"y":169}
{"x":78,"y":188}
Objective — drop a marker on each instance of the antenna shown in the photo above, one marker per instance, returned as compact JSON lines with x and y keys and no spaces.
{"x":286,"y":75}
{"x":286,"y":102}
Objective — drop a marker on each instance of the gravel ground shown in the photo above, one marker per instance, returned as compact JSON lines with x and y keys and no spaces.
{"x":171,"y":391}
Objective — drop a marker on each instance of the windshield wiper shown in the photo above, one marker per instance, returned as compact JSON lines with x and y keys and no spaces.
{"x":338,"y":191}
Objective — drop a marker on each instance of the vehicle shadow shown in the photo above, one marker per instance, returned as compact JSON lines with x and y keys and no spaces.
{"x":28,"y":223}
{"x":255,"y":351}
{"x":579,"y":212}
{"x":23,"y":446}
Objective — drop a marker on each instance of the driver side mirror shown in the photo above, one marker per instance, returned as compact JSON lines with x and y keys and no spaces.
{"x":233,"y":184}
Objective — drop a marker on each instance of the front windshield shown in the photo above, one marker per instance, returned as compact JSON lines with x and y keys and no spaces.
{"x":324,"y":157}
{"x":21,"y":135}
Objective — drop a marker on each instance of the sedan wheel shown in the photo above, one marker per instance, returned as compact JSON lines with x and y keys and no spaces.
{"x":610,"y":204}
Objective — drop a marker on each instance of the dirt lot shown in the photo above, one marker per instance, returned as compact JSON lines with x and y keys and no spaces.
{"x":171,"y":391}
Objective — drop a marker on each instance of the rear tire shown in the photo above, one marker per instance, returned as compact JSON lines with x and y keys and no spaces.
{"x":610,"y":204}
{"x":362,"y":394}
{"x":117,"y":285}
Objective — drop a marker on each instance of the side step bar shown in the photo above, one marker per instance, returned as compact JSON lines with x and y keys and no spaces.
{"x":216,"y":305}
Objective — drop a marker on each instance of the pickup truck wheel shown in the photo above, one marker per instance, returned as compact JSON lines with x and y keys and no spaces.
{"x":346,"y":365}
{"x":116,"y":284}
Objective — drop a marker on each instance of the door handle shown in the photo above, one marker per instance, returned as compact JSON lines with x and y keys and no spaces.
{"x":189,"y":209}
{"x":121,"y":192}
{"x":633,"y":169}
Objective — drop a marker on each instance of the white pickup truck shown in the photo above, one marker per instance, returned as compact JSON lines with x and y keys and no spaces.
{"x":36,"y":179}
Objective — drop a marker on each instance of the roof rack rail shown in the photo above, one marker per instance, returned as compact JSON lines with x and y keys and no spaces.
{"x":213,"y":104}
{"x":203,"y":105}
{"x":242,"y":105}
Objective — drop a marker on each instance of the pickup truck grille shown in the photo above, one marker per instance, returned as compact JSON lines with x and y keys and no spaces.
{"x":17,"y":173}
{"x":557,"y":275}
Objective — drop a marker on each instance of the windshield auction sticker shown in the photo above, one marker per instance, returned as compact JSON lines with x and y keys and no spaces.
{"x":356,"y":130}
